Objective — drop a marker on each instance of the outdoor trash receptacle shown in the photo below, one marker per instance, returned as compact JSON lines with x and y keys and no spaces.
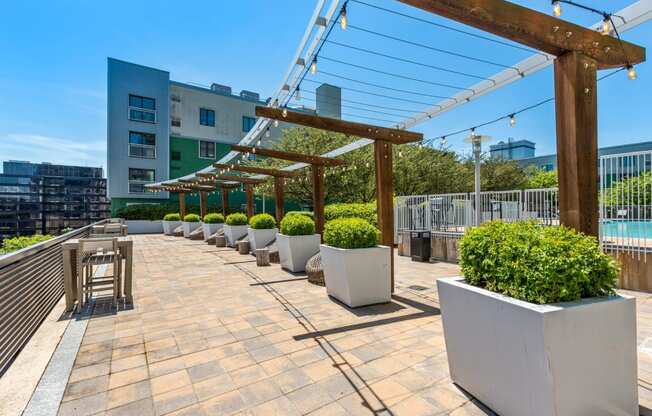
{"x":420,"y":245}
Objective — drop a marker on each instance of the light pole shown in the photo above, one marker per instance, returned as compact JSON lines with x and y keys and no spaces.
{"x":476,"y":141}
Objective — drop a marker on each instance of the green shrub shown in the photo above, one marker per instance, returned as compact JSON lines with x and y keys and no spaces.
{"x":364,"y":211}
{"x":536,"y":264}
{"x":214,"y":218}
{"x":262,"y":222}
{"x":297,"y":224}
{"x":191,"y":218}
{"x":236,"y":218}
{"x":308,"y":214}
{"x":16,"y":243}
{"x":351,"y":233}
{"x":172,"y":217}
{"x":149,"y":212}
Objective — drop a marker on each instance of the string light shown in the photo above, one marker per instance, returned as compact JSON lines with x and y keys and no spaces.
{"x":400,"y":153}
{"x":343,"y":20}
{"x":512,"y":120}
{"x":297,"y":93}
{"x":313,"y":66}
{"x":267,"y":133}
{"x":556,"y":8}
{"x":443,"y":140}
{"x":258,"y":143}
{"x":285,"y":112}
{"x":275,"y":123}
{"x":606,"y":26}
{"x":631,"y":72}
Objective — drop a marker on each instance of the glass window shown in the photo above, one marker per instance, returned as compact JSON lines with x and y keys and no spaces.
{"x":248,"y":123}
{"x":142,"y":102}
{"x":136,"y":137}
{"x":142,"y":145}
{"x":138,"y":178}
{"x":175,"y":155}
{"x":176,"y":122}
{"x":206,"y":117}
{"x":206,"y":150}
{"x":142,"y":109}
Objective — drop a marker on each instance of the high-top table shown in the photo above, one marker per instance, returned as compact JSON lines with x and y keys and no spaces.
{"x":71,"y":280}
{"x":99,"y":229}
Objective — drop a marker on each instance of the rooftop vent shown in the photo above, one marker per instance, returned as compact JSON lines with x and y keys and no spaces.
{"x":222,"y":89}
{"x":250,"y":95}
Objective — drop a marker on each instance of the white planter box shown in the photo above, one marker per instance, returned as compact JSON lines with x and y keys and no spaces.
{"x":144,"y":227}
{"x":232,"y":233}
{"x":518,"y":358}
{"x":170,"y":226}
{"x":189,"y":227}
{"x":260,"y":238}
{"x":210,"y":229}
{"x":294,"y":251}
{"x":357,"y":277}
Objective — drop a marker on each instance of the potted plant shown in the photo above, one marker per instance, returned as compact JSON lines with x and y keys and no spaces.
{"x":170,"y":223}
{"x":262,"y":231}
{"x":535,"y":326}
{"x":190,"y":223}
{"x":297,"y":242}
{"x":356,"y":268}
{"x":211,"y":224}
{"x":235,"y":228}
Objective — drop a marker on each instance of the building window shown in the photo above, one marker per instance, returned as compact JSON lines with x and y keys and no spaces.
{"x":206,"y":117}
{"x":248,"y":123}
{"x":142,"y":145}
{"x":206,"y":150}
{"x":142,"y":109}
{"x":175,"y":155}
{"x":138,"y":178}
{"x":176,"y":122}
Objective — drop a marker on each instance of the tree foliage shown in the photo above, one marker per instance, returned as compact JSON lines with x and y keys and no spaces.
{"x":539,"y":178}
{"x":636,"y":190}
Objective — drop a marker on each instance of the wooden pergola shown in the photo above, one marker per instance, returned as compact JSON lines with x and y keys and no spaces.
{"x":317,"y":164}
{"x":279,"y":182}
{"x":248,"y":183}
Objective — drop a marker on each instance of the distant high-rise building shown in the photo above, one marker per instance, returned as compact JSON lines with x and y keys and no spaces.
{"x":41,"y":198}
{"x":512,"y":149}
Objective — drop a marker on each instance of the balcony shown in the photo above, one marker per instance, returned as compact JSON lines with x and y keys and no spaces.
{"x":212,"y":333}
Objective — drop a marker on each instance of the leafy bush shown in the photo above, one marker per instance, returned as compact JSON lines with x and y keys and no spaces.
{"x":536,"y":264}
{"x":172,"y":217}
{"x":297,"y":224}
{"x":308,"y":214}
{"x":191,"y":218}
{"x":262,"y":222}
{"x":214,"y":218}
{"x":150,"y":212}
{"x":351,"y":233}
{"x":236,"y":218}
{"x":16,"y":243}
{"x":364,"y":211}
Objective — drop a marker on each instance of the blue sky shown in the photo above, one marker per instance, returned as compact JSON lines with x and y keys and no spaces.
{"x":53,"y":72}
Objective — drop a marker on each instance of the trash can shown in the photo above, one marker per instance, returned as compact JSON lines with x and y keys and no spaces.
{"x":420,"y":245}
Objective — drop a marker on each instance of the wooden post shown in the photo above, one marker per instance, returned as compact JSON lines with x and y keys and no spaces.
{"x":385,"y":198}
{"x":249,"y":191}
{"x":182,"y":204}
{"x":225,"y":201}
{"x":577,"y":141}
{"x":278,"y":197}
{"x":318,"y":197}
{"x":202,"y":204}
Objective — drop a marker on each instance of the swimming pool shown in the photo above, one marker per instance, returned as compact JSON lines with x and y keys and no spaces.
{"x":631,"y":229}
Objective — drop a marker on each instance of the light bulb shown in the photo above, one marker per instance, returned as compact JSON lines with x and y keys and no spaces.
{"x":253,"y":150}
{"x":275,"y":123}
{"x":258,"y":143}
{"x":297,"y":94}
{"x":631,"y":72}
{"x":285,"y":112}
{"x":366,"y":164}
{"x":313,"y":66}
{"x":443,"y":140}
{"x":400,"y":154}
{"x":556,"y":8}
{"x":267,"y":133}
{"x":512,"y":121}
{"x":473,"y":132}
{"x":343,"y":21}
{"x":606,"y":26}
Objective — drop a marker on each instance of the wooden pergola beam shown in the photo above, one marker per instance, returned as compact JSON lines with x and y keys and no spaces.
{"x":257,"y":170}
{"x":241,"y":179}
{"x":535,"y":29}
{"x":291,"y":156}
{"x":369,"y":131}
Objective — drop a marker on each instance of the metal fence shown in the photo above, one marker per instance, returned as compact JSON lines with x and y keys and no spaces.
{"x":31,"y":284}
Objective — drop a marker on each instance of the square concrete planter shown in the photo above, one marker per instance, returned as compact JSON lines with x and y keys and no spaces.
{"x":260,"y":238}
{"x":518,"y":358}
{"x":295,"y":250}
{"x":189,"y":227}
{"x":170,"y":226}
{"x":210,"y":229}
{"x":233,"y":233}
{"x":144,"y":227}
{"x":357,"y":277}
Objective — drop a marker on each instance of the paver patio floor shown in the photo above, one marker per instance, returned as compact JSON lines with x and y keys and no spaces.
{"x":212,"y":334}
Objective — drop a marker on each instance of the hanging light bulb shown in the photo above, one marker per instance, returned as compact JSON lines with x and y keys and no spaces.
{"x":285,"y":112}
{"x":297,"y":93}
{"x":512,"y":121}
{"x":631,"y":72}
{"x":275,"y":123}
{"x":556,"y":8}
{"x":473,"y":132}
{"x":443,"y":140}
{"x":606,"y":26}
{"x":343,"y":20}
{"x":366,"y":164}
{"x":400,"y":153}
{"x":313,"y":66}
{"x":258,"y":143}
{"x":267,"y":133}
{"x":275,"y":105}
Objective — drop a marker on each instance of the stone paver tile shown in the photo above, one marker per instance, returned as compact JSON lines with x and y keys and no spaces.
{"x":89,"y":358}
{"x":86,"y":387}
{"x":236,"y":362}
{"x":278,"y":365}
{"x":309,"y":398}
{"x":260,"y":392}
{"x":444,"y":396}
{"x":128,"y":351}
{"x":128,"y":363}
{"x":174,"y":400}
{"x":292,"y":380}
{"x":166,"y":367}
{"x":475,"y":409}
{"x":226,"y":404}
{"x":194,"y":410}
{"x":266,"y":353}
{"x":200,"y":357}
{"x":280,"y":406}
{"x":85,"y":406}
{"x":127,"y":341}
{"x":206,"y":370}
{"x":144,"y":407}
{"x":338,"y":385}
{"x":332,"y":409}
{"x":213,"y":386}
{"x":129,"y":393}
{"x":163,"y":354}
{"x":90,"y":371}
{"x":160,"y":344}
{"x":123,"y":378}
{"x":248,"y":375}
{"x":320,"y":370}
{"x":414,"y":406}
{"x":412,"y":380}
{"x":388,"y":389}
{"x":169,"y":382}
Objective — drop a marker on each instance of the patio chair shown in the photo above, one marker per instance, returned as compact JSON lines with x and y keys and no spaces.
{"x":95,"y":252}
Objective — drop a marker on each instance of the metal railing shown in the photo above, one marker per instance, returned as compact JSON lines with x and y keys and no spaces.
{"x":31,"y":284}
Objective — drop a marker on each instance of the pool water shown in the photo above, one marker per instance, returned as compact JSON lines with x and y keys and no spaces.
{"x":631,"y":229}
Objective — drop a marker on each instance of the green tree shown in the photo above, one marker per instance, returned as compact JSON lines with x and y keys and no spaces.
{"x":539,"y":178}
{"x":636,"y":190}
{"x":495,"y":174}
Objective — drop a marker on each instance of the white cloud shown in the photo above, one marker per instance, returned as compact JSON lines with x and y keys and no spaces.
{"x":38,"y":148}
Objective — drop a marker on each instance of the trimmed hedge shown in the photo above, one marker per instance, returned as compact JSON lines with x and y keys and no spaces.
{"x":308,"y":214}
{"x":262,"y":222}
{"x":351,"y":233}
{"x":536,"y":264}
{"x":236,"y":218}
{"x":172,"y":217}
{"x":297,"y":224}
{"x":191,"y":218}
{"x":364,"y":211}
{"x":154,"y":211}
{"x":213,"y":218}
{"x":10,"y":245}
